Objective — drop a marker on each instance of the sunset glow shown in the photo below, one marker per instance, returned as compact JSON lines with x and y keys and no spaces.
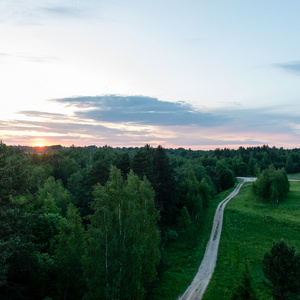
{"x":202,"y":76}
{"x":41,"y":145}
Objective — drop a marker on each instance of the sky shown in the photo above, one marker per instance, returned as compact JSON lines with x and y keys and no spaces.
{"x":193,"y":74}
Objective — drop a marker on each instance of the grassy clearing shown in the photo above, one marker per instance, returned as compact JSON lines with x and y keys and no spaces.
{"x":294,"y":176}
{"x":184,"y":255}
{"x":249,"y":230}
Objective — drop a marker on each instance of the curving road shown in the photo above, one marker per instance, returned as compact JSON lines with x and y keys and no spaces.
{"x":201,"y":280}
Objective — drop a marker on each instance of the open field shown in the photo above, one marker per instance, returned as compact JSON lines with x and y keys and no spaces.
{"x":294,"y":176}
{"x":249,"y":230}
{"x":185,"y":254}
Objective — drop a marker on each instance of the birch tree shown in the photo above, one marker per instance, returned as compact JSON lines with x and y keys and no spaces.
{"x":122,"y":252}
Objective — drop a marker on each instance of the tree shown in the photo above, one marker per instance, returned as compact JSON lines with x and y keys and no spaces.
{"x":290,"y":168}
{"x":165,"y":186}
{"x":225,"y":175}
{"x":123,"y":163}
{"x":281,"y":267}
{"x":81,"y":191}
{"x":16,"y":259}
{"x":63,"y":166}
{"x":122,"y":246}
{"x":244,"y":289}
{"x":69,"y":255}
{"x":271,"y":185}
{"x":205,"y":192}
{"x":142,"y":164}
{"x":184,"y":218}
{"x":54,"y":189}
{"x":193,"y":197}
{"x":5,"y":176}
{"x":44,"y":228}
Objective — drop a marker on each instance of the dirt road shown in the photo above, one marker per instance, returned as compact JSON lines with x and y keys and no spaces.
{"x":198,"y":286}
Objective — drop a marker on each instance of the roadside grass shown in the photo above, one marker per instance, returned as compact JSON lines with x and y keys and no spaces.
{"x":184,"y":255}
{"x":294,"y":176}
{"x":250,"y":227}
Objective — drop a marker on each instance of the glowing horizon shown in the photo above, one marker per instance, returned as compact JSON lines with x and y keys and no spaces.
{"x":193,"y":75}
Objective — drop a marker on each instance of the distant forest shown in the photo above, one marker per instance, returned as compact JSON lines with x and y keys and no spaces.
{"x":91,"y":222}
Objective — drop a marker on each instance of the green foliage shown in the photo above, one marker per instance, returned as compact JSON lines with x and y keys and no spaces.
{"x":193,"y":197}
{"x":170,"y":235}
{"x":54,"y":194}
{"x":38,"y":176}
{"x":244,"y":289}
{"x":26,"y":187}
{"x":205,"y":192}
{"x":225,"y":175}
{"x":165,"y":186}
{"x":123,"y":163}
{"x":281,"y":268}
{"x":45,"y":276}
{"x":69,"y":255}
{"x":5,"y":175}
{"x":122,"y":251}
{"x":63,"y":166}
{"x":44,"y":228}
{"x":184,"y":218}
{"x":271,"y":185}
{"x":16,"y":259}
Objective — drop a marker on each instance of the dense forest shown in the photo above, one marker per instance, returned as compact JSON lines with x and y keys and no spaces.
{"x":91,"y":222}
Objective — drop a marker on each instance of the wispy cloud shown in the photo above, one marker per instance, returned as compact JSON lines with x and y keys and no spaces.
{"x":8,"y":57}
{"x":31,"y":12}
{"x":293,"y":66}
{"x":41,"y":114}
{"x":64,"y":10}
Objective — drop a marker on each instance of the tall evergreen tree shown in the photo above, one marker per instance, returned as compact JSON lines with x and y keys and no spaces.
{"x":165,"y":186}
{"x":244,"y":289}
{"x":123,"y":163}
{"x":281,"y":267}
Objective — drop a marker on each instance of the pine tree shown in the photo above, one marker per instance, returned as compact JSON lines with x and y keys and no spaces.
{"x":244,"y":289}
{"x":281,"y":267}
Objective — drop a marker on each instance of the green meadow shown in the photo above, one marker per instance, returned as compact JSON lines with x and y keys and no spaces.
{"x":295,"y":176}
{"x":250,"y":227}
{"x":249,"y":230}
{"x":183,"y":256}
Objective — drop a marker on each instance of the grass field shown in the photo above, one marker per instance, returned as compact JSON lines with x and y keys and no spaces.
{"x":184,"y":255}
{"x":294,"y":176}
{"x":249,"y":230}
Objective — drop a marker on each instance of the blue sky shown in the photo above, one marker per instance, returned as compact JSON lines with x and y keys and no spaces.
{"x":192,"y":74}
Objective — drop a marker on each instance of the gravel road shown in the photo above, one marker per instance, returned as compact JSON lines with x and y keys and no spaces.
{"x":198,"y":286}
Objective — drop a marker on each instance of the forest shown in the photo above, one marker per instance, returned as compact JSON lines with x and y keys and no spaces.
{"x":91,"y":222}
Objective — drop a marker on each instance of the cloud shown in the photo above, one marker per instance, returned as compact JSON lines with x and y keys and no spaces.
{"x":41,"y":114}
{"x":32,"y":12}
{"x":63,"y":10}
{"x":141,"y":110}
{"x":5,"y":57}
{"x":293,"y":66}
{"x":135,"y":121}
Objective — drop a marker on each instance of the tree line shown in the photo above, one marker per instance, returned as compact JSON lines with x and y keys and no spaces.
{"x":91,"y":222}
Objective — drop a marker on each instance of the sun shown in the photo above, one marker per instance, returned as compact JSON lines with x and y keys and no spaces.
{"x":40,"y":145}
